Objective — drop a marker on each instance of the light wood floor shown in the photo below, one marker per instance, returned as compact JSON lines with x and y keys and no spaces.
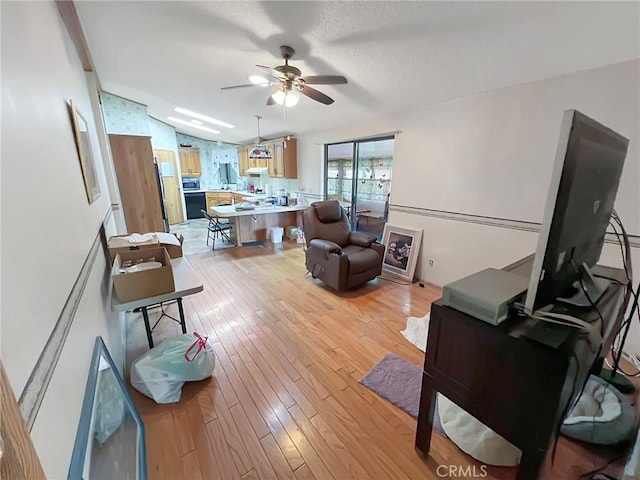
{"x":285,"y":401}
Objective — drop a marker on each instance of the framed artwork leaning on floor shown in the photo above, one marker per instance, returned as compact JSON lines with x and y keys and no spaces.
{"x":402,"y":247}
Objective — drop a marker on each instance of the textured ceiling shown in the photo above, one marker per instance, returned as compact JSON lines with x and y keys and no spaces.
{"x":396,"y":55}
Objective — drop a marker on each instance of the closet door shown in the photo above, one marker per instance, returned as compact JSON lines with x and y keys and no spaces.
{"x":137,"y":182}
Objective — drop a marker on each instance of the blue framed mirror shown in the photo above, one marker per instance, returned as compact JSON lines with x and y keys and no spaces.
{"x":110,"y":441}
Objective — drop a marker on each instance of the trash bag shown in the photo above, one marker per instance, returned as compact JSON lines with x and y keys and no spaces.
{"x":161,"y":372}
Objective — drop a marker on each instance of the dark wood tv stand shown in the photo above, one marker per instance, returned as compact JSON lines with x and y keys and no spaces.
{"x":515,"y":385}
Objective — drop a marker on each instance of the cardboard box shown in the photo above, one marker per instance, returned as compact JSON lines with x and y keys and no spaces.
{"x":144,"y":284}
{"x":174,"y":251}
{"x":292,"y":233}
{"x":118,"y":244}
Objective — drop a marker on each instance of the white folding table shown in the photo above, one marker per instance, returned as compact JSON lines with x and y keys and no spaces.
{"x":186,"y":282}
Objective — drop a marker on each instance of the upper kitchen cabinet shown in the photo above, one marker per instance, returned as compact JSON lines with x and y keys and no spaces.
{"x":190,"y":162}
{"x":244,"y":162}
{"x":243,"y":159}
{"x":284,"y":161}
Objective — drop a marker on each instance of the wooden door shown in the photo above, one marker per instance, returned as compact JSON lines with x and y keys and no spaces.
{"x":137,"y":182}
{"x":171,"y":182}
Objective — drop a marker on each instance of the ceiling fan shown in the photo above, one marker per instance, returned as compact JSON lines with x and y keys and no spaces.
{"x":290,"y":83}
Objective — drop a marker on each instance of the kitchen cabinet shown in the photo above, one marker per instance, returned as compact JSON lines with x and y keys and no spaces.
{"x":237,"y":197}
{"x":243,"y":160}
{"x":222,"y":197}
{"x":190,"y":162}
{"x":258,"y":162}
{"x":284,"y":161}
{"x":217,"y":198}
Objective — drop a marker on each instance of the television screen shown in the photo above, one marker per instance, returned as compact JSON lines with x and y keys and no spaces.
{"x":584,"y":183}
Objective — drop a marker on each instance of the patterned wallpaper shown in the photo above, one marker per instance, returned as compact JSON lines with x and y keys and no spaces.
{"x":123,"y":116}
{"x":211,"y":156}
{"x":163,"y":136}
{"x":129,"y":118}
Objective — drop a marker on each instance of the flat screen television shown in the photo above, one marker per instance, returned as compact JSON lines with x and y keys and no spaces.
{"x":584,"y":184}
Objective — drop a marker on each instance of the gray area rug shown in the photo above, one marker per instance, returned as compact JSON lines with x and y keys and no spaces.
{"x":400,"y":382}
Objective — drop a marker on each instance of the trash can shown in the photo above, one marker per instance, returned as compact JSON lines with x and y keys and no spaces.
{"x":275,"y":234}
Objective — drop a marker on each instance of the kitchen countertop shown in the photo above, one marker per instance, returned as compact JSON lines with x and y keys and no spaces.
{"x":217,"y":190}
{"x":228,"y":211}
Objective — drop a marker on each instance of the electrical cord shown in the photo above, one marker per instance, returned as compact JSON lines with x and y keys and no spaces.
{"x":611,"y":279}
{"x":586,"y":294}
{"x":627,"y":323}
{"x":621,"y":243}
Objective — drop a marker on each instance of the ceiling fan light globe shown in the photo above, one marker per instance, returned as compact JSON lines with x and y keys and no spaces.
{"x":289,"y":98}
{"x":292,"y":98}
{"x":279,"y":97}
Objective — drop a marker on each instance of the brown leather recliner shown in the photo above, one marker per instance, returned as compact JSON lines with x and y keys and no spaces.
{"x":339,"y":257}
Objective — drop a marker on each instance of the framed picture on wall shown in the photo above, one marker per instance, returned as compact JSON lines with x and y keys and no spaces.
{"x":85,"y":153}
{"x":402,"y":247}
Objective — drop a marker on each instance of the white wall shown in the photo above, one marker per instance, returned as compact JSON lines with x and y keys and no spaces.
{"x":48,"y":227}
{"x":491,"y":155}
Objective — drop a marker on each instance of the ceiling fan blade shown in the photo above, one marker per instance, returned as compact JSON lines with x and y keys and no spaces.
{"x":274,"y":73}
{"x":270,"y":100}
{"x":316,"y":95}
{"x":324,"y":79}
{"x":241,"y":86}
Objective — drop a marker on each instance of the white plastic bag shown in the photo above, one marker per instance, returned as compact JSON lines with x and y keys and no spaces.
{"x":161,"y":372}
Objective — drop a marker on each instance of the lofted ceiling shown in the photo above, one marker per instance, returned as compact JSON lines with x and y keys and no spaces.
{"x":395,"y":55}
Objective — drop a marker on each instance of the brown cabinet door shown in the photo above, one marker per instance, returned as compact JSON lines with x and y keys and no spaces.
{"x":278,"y":158}
{"x":190,"y":162}
{"x":290,"y":158}
{"x":184,"y":161}
{"x":137,"y":182}
{"x":194,"y":161}
{"x":243,"y":160}
{"x":271,"y":162}
{"x":283,"y":163}
{"x":212,"y":201}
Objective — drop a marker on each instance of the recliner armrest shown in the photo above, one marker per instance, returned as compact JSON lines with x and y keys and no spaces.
{"x":361,"y":239}
{"x":326,"y":246}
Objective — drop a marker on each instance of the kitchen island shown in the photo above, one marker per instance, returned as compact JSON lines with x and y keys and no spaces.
{"x":251,"y":226}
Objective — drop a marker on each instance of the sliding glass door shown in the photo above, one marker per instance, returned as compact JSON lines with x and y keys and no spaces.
{"x":358,"y":174}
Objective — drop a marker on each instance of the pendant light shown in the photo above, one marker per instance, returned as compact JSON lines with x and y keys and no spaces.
{"x":259,"y":151}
